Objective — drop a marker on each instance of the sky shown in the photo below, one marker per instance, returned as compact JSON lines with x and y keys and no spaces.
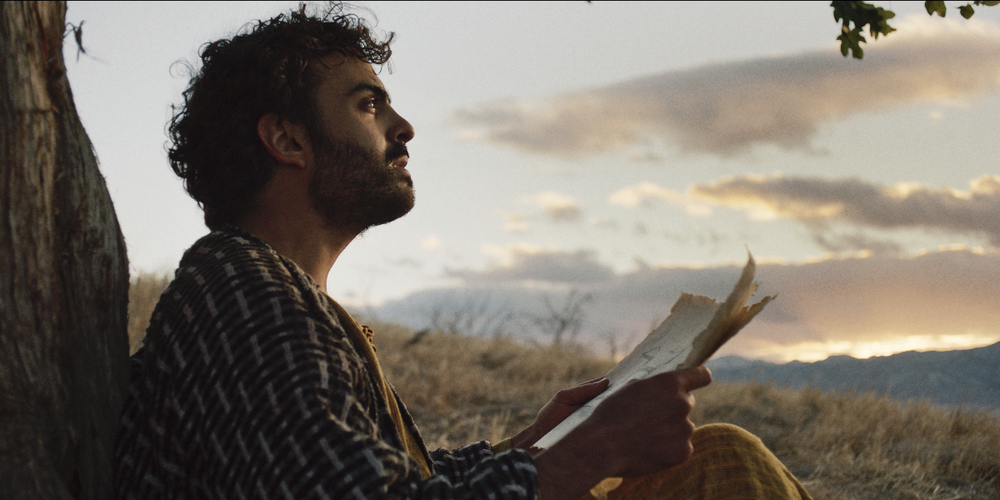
{"x":605,"y":157}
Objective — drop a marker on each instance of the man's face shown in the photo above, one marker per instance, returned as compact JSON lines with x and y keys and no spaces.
{"x":359,"y":150}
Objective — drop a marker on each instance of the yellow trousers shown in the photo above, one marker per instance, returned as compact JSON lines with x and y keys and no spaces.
{"x":728,"y":463}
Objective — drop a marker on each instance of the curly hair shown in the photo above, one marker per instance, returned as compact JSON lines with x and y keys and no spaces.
{"x":270,"y":68}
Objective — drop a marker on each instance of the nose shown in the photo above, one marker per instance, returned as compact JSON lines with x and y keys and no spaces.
{"x":401,"y":131}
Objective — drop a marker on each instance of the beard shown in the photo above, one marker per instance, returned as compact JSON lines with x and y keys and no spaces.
{"x":355,"y":188}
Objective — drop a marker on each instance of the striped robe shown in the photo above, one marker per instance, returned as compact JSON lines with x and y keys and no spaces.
{"x":247,"y":387}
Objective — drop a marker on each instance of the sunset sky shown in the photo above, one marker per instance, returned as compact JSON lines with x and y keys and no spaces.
{"x":629,"y":152}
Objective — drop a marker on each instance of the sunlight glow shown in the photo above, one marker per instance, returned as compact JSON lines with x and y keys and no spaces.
{"x":818,"y":351}
{"x":987,"y":184}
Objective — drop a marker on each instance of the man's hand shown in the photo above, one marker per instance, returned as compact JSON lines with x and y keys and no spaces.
{"x":645,"y":424}
{"x":557,"y":409}
{"x":641,"y":429}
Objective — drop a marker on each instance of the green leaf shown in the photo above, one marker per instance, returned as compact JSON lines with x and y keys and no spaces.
{"x":844,"y":45}
{"x":860,"y":14}
{"x":855,"y":15}
{"x":879,"y":23}
{"x":935,"y":7}
{"x":850,"y":41}
{"x":842,"y":10}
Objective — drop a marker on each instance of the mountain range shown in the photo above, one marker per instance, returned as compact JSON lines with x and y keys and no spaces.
{"x":963,"y":378}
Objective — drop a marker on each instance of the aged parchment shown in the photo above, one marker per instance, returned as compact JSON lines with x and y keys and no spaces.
{"x":696,"y":328}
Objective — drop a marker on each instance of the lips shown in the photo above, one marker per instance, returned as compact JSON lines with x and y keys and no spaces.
{"x":400,"y":156}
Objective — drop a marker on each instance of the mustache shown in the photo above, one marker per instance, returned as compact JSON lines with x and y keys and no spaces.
{"x":396,"y":151}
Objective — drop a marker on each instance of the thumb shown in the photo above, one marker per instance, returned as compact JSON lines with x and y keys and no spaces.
{"x":694,"y":377}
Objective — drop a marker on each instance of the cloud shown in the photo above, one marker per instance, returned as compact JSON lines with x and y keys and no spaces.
{"x":711,"y":241}
{"x":432,"y":243}
{"x":876,"y":299}
{"x":643,"y":193}
{"x":816,"y":202}
{"x":857,"y":240}
{"x":531,"y":266}
{"x":406,"y":262}
{"x":826,"y":306}
{"x":514,"y":223}
{"x":558,"y":207}
{"x":606,"y":224}
{"x":724,"y":109}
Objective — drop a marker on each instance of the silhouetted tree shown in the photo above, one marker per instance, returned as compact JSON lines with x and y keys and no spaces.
{"x":63,"y":276}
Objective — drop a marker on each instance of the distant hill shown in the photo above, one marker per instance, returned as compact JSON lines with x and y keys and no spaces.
{"x":968,"y":377}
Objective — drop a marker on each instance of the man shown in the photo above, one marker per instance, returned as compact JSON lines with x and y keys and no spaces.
{"x":253,"y":383}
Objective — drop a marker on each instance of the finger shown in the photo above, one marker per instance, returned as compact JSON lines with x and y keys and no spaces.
{"x":682,"y":381}
{"x":681,"y":448}
{"x":581,"y":393}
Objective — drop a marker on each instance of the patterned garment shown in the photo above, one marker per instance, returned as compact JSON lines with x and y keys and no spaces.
{"x":248,"y":388}
{"x":728,"y":463}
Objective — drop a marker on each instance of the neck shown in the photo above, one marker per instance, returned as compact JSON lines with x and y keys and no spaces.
{"x":310,"y":245}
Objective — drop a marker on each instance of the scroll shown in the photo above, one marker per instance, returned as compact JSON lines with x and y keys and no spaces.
{"x":695,"y":329}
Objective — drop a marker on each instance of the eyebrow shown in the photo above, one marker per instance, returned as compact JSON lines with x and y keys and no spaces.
{"x":370,"y":87}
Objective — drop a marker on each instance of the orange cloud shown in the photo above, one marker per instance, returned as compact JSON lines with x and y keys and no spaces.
{"x":857,"y":305}
{"x":940,"y":297}
{"x":816,"y":201}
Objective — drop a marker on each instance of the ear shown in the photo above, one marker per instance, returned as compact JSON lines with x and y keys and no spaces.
{"x":285,"y":141}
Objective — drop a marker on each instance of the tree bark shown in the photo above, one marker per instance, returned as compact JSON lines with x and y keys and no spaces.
{"x":63,"y":276}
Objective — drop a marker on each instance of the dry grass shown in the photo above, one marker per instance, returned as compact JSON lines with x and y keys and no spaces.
{"x":863,"y":446}
{"x":461,"y":389}
{"x":856,"y":446}
{"x":143,"y":293}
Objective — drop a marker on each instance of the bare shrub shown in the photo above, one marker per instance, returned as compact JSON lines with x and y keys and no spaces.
{"x":475,"y":315}
{"x":564,"y":321}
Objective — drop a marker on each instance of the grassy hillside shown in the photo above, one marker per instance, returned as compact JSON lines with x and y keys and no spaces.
{"x":859,"y":446}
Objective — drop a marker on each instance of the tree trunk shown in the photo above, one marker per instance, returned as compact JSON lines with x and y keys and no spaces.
{"x":63,"y":276}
